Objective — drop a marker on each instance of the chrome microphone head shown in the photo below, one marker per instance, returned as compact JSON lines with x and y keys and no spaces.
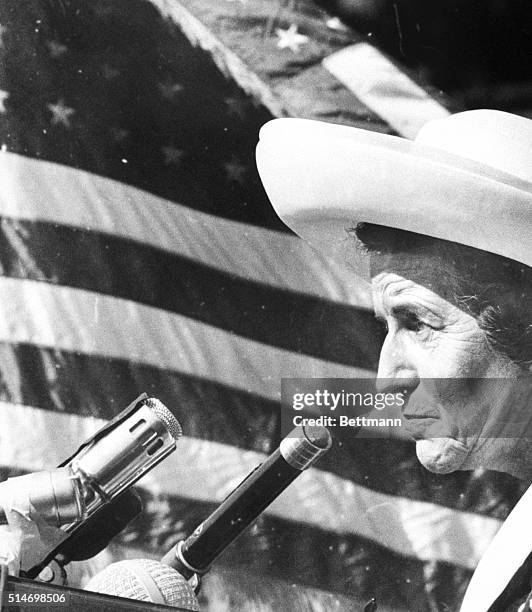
{"x":145,"y":580}
{"x":113,"y":459}
{"x":118,"y":459}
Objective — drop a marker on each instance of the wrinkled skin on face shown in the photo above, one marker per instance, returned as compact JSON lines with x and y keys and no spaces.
{"x":459,"y":411}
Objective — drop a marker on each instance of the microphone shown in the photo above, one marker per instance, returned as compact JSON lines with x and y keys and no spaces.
{"x":90,"y":537}
{"x":299,"y":450}
{"x":145,"y":580}
{"x":113,"y":459}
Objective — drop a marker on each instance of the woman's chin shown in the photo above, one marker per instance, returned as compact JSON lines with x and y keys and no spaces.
{"x":441,"y":455}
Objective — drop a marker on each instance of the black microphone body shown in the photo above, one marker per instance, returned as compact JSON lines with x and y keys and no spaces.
{"x":254,"y":494}
{"x":91,"y":536}
{"x":94,"y":534}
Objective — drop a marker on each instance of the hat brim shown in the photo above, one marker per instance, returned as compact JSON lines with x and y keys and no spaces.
{"x":324,"y":178}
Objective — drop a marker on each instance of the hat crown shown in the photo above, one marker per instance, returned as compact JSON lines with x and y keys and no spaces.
{"x":467,"y":178}
{"x":494,"y":138}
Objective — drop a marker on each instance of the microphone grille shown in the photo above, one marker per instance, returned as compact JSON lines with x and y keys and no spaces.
{"x":136,"y":578}
{"x":161,"y":411}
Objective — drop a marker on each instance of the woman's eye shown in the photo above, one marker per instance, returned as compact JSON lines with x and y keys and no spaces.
{"x":412,"y":323}
{"x":383,"y":324}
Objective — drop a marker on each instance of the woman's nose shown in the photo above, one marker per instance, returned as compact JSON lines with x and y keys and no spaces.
{"x":396,"y":368}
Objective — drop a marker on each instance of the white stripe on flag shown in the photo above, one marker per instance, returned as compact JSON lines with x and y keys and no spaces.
{"x":381,"y":86}
{"x":419,"y":529}
{"x":82,"y":321}
{"x":36,"y":190}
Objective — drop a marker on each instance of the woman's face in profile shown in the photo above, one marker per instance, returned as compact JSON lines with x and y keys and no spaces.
{"x":458,"y":422}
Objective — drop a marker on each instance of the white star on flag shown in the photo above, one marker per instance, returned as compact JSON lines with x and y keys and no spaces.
{"x":236,"y":106}
{"x":56,"y":48}
{"x":119,"y":134}
{"x":3,"y":97}
{"x":109,"y":72}
{"x":101,"y":10}
{"x":61,"y":113}
{"x":169,"y":90}
{"x":334,"y":23}
{"x":291,"y":39}
{"x":172,"y":156}
{"x":234,"y":170}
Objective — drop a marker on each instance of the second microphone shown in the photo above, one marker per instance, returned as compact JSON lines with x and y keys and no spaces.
{"x":300,"y":449}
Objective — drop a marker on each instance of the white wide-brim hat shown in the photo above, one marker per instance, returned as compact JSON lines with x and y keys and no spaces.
{"x":466,"y":178}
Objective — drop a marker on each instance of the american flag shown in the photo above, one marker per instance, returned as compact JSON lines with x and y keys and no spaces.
{"x":138,"y":252}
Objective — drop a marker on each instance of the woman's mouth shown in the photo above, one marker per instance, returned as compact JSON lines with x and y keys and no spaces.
{"x":422,"y":426}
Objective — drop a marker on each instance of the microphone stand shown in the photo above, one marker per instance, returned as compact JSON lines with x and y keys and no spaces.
{"x":193,"y":556}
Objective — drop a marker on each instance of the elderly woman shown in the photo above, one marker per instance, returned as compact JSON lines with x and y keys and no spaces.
{"x":443,"y":227}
